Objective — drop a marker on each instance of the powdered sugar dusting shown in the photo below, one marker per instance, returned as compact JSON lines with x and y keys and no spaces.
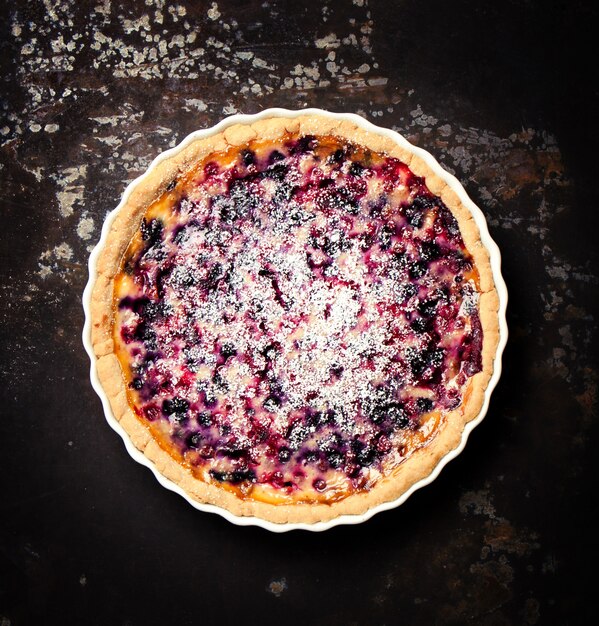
{"x":297,"y":313}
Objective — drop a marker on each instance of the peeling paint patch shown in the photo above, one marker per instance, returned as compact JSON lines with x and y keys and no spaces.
{"x":85,"y":227}
{"x":477,"y":502}
{"x":54,"y":259}
{"x":71,"y":188}
{"x":277,"y":587}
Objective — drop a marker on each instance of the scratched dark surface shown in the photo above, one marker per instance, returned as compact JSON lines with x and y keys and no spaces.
{"x":91,"y":92}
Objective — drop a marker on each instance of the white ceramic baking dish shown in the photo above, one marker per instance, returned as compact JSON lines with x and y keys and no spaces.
{"x":485,"y":237}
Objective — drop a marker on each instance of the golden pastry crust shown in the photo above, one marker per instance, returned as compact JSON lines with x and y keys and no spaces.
{"x":424,"y":460}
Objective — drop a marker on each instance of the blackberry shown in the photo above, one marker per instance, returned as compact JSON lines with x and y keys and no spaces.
{"x":385,"y":237}
{"x":424,"y":203}
{"x":325,"y":182}
{"x":336,"y":371}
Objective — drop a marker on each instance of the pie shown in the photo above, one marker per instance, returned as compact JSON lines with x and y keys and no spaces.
{"x":294,"y":319}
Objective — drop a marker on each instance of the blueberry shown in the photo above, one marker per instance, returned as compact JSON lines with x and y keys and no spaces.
{"x":284,"y":455}
{"x":277,"y":172}
{"x":429,"y":251}
{"x":239,"y":476}
{"x":335,"y":458}
{"x":137,"y":384}
{"x":194,"y":440}
{"x":227,"y":350}
{"x":204,"y":418}
{"x":146,"y":334}
{"x":304,"y":144}
{"x":417,"y":269}
{"x":235,"y":477}
{"x":177,"y":406}
{"x":424,"y":405}
{"x":272,"y":403}
{"x":275,"y":156}
{"x":366,"y":456}
{"x":233,"y":452}
{"x":336,"y":371}
{"x":406,"y":291}
{"x":151,"y":231}
{"x":248,"y":157}
{"x":427,"y":308}
{"x":337,"y":156}
{"x":356,"y":169}
{"x":419,"y":325}
{"x":311,"y":456}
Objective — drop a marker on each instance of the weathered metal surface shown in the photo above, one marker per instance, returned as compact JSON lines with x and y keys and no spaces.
{"x":92,"y":91}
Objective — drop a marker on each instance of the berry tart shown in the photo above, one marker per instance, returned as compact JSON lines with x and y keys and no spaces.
{"x":294,"y":319}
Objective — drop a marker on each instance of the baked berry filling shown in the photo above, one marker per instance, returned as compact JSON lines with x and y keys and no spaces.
{"x":294,"y":320}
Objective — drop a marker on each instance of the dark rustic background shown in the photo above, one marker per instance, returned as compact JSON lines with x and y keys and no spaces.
{"x":91,"y":92}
